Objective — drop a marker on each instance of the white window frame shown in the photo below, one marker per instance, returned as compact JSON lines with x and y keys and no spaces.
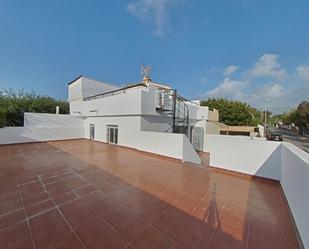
{"x":115,"y":133}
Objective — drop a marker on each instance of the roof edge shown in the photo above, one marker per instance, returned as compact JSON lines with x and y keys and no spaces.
{"x":77,"y":78}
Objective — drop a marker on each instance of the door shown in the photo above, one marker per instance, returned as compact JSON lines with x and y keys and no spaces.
{"x":112,"y":134}
{"x":91,"y":132}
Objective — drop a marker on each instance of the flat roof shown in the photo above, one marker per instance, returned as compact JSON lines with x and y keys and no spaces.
{"x":86,"y":194}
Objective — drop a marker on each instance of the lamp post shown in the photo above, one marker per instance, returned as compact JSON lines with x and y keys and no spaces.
{"x":265,"y":117}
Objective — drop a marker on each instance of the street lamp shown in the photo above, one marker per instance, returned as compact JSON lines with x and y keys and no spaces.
{"x":265,"y":117}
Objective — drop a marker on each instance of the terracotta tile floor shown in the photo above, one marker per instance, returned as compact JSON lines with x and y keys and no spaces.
{"x":84,"y":194}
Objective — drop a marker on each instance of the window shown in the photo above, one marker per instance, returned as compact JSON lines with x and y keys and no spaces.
{"x":112,"y":134}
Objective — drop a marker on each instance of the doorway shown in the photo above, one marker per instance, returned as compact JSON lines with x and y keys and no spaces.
{"x":112,"y":134}
{"x":91,"y":132}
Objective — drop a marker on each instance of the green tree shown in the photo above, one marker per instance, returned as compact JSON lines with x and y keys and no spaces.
{"x":13,"y":104}
{"x":233,"y":112}
{"x":300,"y":116}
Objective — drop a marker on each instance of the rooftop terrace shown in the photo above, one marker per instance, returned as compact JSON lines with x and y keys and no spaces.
{"x":85,"y":194}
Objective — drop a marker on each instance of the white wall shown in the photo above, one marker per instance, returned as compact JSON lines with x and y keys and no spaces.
{"x":168,"y":144}
{"x":51,"y":120}
{"x":130,"y":135}
{"x":133,"y":101}
{"x":77,"y":107}
{"x":189,"y":153}
{"x":243,"y":154}
{"x":148,"y":101}
{"x":128,"y":129}
{"x":44,"y":127}
{"x":280,"y":161}
{"x":156,"y":123}
{"x":212,"y":128}
{"x":123,"y":103}
{"x":295,"y":183}
{"x":48,"y":127}
{"x":196,"y":111}
{"x":93,"y":87}
{"x":75,"y":90}
{"x":84,"y":87}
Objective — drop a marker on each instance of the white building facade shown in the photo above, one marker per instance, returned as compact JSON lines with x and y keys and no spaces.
{"x":124,"y":115}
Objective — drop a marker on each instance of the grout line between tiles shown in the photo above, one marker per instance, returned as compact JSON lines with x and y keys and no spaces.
{"x":63,"y":217}
{"x":25,"y":214}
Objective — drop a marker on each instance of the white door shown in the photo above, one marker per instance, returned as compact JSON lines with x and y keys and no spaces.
{"x":91,"y":131}
{"x":112,"y":134}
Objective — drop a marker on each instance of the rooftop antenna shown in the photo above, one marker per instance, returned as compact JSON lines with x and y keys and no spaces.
{"x":146,"y":71}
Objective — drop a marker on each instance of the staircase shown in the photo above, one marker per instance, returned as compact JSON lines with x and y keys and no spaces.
{"x":174,"y":106}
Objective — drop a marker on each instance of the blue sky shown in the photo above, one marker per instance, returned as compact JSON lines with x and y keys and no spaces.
{"x":239,"y":49}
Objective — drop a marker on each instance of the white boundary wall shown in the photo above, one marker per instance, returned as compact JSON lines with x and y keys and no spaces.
{"x":128,"y":129}
{"x":280,"y":161}
{"x":44,"y":127}
{"x":168,"y":144}
{"x":243,"y":154}
{"x":130,"y":135}
{"x":49,"y":127}
{"x":295,"y":183}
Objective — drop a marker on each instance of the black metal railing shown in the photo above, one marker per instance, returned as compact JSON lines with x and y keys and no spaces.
{"x":176,"y":108}
{"x":113,"y":92}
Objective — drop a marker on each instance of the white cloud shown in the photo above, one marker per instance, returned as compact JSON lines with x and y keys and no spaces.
{"x":235,"y":89}
{"x":274,"y":91}
{"x":267,"y":79}
{"x":157,"y":10}
{"x":230,"y":89}
{"x":267,"y":65}
{"x":303,"y":72}
{"x":240,"y":90}
{"x":270,"y":91}
{"x":230,"y":70}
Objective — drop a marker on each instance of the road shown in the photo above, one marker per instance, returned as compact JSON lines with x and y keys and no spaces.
{"x":300,"y":141}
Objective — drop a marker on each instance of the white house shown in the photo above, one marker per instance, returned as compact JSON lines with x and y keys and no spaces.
{"x":146,"y":116}
{"x":119,"y":115}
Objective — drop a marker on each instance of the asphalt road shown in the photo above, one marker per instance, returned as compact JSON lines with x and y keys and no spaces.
{"x":300,"y":141}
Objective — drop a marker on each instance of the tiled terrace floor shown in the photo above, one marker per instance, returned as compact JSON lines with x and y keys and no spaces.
{"x":83,"y":194}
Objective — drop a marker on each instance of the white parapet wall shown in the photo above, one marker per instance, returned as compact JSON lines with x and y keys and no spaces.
{"x":295,"y":183}
{"x":243,"y":154}
{"x":189,"y":154}
{"x":130,"y":135}
{"x":275,"y":160}
{"x":168,"y":144}
{"x":44,"y":127}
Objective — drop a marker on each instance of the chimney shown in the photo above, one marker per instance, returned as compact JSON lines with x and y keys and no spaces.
{"x":57,"y":109}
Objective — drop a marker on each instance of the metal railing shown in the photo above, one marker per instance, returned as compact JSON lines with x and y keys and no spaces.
{"x":174,"y":106}
{"x":114,"y":92}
